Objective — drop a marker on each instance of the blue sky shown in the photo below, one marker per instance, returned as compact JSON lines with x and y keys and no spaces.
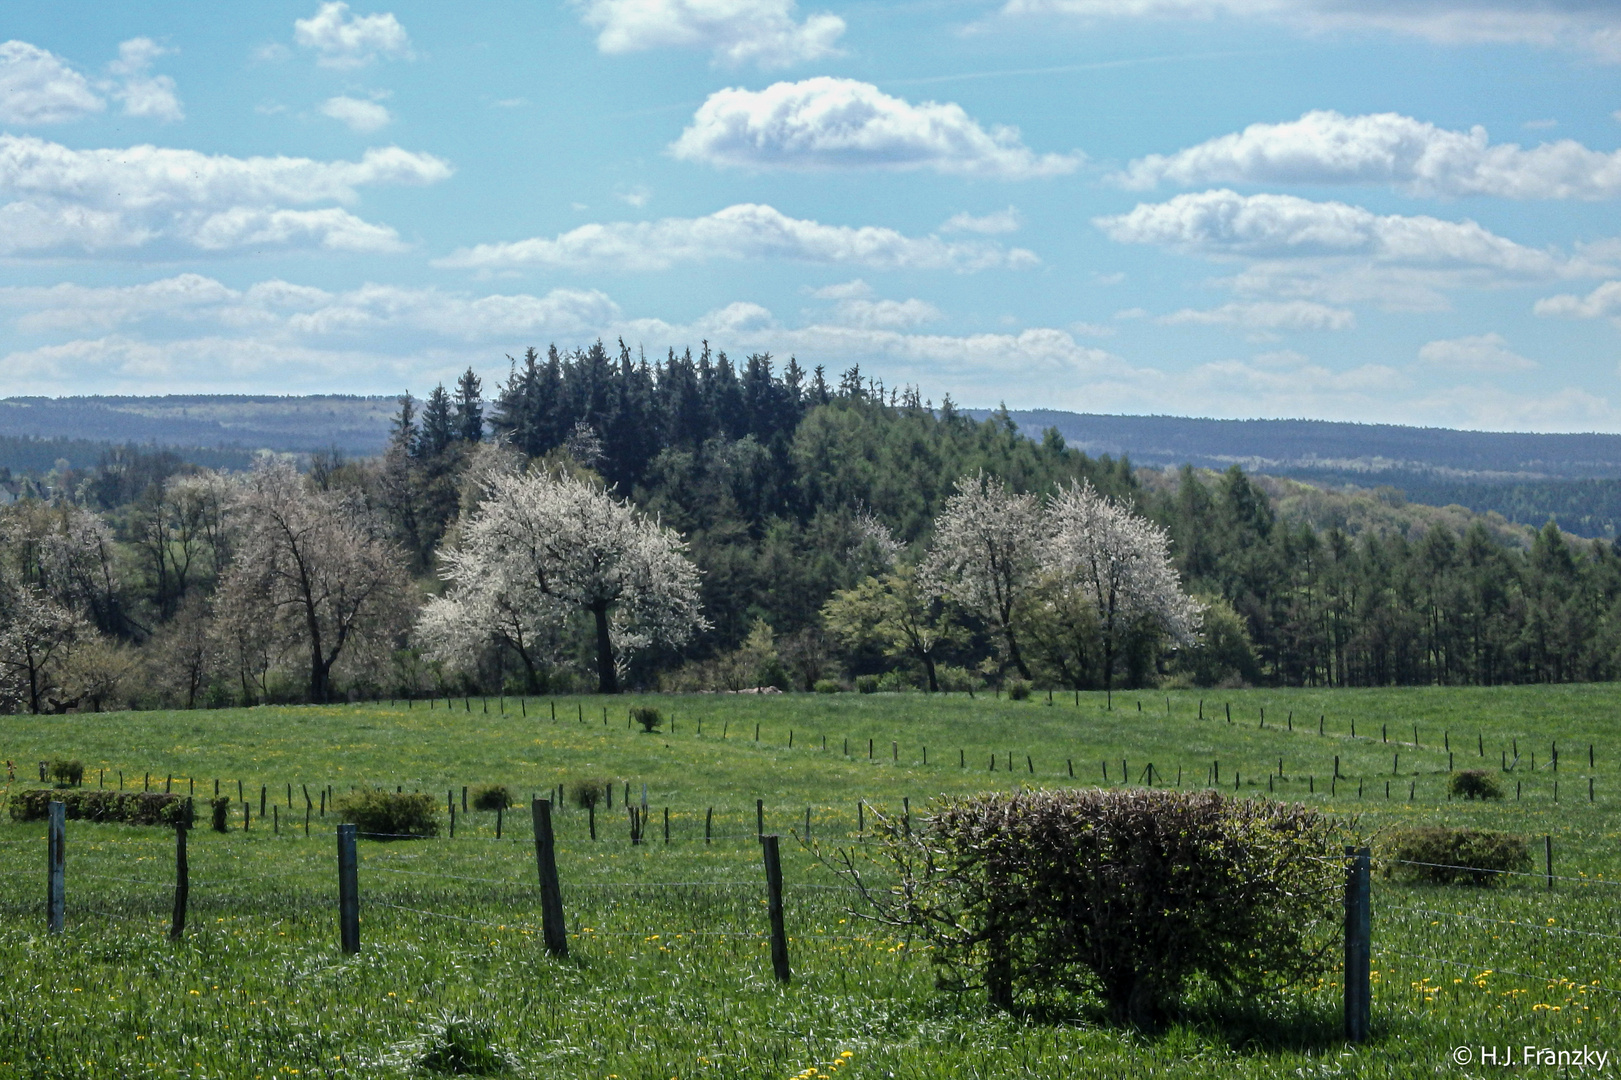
{"x":1377,"y":210}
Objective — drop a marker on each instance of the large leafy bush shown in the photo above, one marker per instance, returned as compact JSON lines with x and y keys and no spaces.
{"x":383,"y":815}
{"x":1126,"y":895}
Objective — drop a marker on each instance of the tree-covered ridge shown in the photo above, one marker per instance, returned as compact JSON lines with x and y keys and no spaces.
{"x":817,"y":516}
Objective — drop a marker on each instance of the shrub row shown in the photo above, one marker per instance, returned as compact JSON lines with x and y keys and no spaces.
{"x":123,"y":807}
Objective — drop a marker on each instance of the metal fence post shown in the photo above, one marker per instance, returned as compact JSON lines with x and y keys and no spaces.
{"x":773,"y":885}
{"x":348,"y":891}
{"x":551,"y":893}
{"x":56,"y":845}
{"x":1358,"y":945}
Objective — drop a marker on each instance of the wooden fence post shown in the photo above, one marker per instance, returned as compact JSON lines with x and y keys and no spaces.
{"x":1547,"y":858}
{"x":709,"y":816}
{"x":773,"y":885}
{"x":759,"y":817}
{"x":1358,"y":946}
{"x":552,"y":929}
{"x":56,"y":854}
{"x":348,"y":891}
{"x":182,"y":877}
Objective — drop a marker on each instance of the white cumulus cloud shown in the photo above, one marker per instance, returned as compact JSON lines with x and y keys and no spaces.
{"x":357,"y":114}
{"x":342,"y":40}
{"x":38,"y":87}
{"x":142,"y":93}
{"x":1590,"y":27}
{"x":1000,"y":221}
{"x":760,"y":32}
{"x":744,"y":231}
{"x":829,"y":123}
{"x":55,"y":200}
{"x":1414,"y":156}
{"x":1284,"y":315}
{"x":1602,"y":301}
{"x":1482,"y":353}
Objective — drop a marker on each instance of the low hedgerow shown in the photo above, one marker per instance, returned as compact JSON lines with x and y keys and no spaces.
{"x":117,"y":807}
{"x":867,"y":684}
{"x":1040,"y":896}
{"x":1475,"y":784}
{"x":1018,"y":690}
{"x":383,"y":815}
{"x":827,"y":686}
{"x":492,"y":797}
{"x":1448,"y":856}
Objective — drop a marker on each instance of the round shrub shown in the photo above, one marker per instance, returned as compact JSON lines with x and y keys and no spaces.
{"x":866,"y":684}
{"x":647,"y":716}
{"x":386,"y":815}
{"x":1475,"y":784}
{"x":67,"y":773}
{"x":1447,"y":856}
{"x":1040,"y":896}
{"x":588,"y":792}
{"x":1018,"y":690}
{"x":492,"y":797}
{"x":827,"y":686}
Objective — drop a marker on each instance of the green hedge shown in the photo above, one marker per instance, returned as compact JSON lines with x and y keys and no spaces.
{"x":1448,"y":856}
{"x":383,"y":815}
{"x":127,"y":808}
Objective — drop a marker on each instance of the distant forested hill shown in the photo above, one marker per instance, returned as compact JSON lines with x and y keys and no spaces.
{"x":355,"y":425}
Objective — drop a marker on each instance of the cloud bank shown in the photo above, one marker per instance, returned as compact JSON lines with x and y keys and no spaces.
{"x":759,"y":32}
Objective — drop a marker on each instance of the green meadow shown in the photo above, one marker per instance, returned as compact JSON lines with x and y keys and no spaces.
{"x":669,"y":973}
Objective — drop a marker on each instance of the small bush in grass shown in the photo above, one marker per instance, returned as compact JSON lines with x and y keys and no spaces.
{"x":1475,"y":784}
{"x":1447,"y":856}
{"x":221,"y":811}
{"x":462,"y":1046}
{"x":1039,"y":896}
{"x":384,"y":815}
{"x":67,"y":773}
{"x":647,"y":716}
{"x":827,"y":686}
{"x":492,"y":797}
{"x":587,"y":793}
{"x":866,"y":684}
{"x":1018,"y":690}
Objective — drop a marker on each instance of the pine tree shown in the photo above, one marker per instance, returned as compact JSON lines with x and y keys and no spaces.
{"x":438,"y":425}
{"x":469,"y":408}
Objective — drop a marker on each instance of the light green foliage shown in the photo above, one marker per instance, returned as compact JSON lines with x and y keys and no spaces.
{"x":273,"y":990}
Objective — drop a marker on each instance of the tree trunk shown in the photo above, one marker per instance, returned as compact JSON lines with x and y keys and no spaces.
{"x":607,"y":677}
{"x":928,"y":664}
{"x":1014,"y":654}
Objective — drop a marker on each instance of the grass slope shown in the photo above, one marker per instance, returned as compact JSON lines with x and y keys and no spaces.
{"x":670,"y":975}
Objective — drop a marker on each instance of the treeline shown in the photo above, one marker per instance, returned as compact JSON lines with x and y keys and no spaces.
{"x":809,"y":507}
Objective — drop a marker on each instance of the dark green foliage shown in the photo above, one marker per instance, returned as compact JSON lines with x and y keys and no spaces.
{"x":118,"y":807}
{"x":1126,"y":895}
{"x":647,"y":716}
{"x":1475,"y":784}
{"x":67,"y":773}
{"x":462,"y":1046}
{"x":588,"y":792}
{"x":1018,"y":690}
{"x":492,"y":797}
{"x":866,"y":684}
{"x":220,"y":813}
{"x":1447,"y":856}
{"x":384,"y":815}
{"x":827,"y":686}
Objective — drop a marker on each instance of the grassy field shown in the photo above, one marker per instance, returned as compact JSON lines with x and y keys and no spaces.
{"x":669,"y":974}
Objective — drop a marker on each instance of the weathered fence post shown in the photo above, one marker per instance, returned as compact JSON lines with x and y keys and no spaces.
{"x":773,"y":885}
{"x":1358,"y":945}
{"x":1547,"y":858}
{"x":551,"y":893}
{"x":182,"y":877}
{"x":56,"y":854}
{"x":759,"y":818}
{"x":348,"y":891}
